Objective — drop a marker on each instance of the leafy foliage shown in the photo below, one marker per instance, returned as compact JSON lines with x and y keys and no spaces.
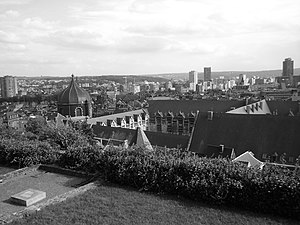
{"x":40,"y":143}
{"x":272,"y":190}
{"x":26,"y":152}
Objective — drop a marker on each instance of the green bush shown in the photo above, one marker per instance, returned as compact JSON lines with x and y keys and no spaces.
{"x":80,"y":157}
{"x":272,"y":190}
{"x":26,"y":152}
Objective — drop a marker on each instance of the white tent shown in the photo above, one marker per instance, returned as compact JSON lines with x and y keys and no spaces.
{"x":249,"y":158}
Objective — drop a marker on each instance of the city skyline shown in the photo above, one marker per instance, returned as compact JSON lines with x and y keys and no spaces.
{"x":146,"y":37}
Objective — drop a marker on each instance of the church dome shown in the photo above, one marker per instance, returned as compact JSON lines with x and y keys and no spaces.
{"x":73,"y":94}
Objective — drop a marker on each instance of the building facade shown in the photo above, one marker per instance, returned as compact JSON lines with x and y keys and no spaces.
{"x":9,"y":86}
{"x":207,"y":73}
{"x":193,"y":80}
{"x":130,"y":120}
{"x":288,"y":68}
{"x":174,"y":123}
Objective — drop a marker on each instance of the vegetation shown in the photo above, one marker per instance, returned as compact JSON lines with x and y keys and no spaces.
{"x":111,"y":204}
{"x":271,"y":190}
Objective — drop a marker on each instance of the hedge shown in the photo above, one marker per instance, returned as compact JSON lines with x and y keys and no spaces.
{"x":24,"y":153}
{"x":271,"y":190}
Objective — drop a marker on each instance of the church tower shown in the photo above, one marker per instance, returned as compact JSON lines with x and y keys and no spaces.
{"x":74,"y":101}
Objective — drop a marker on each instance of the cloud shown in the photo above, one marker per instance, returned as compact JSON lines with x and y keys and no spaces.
{"x":12,"y":47}
{"x":8,"y":37}
{"x":142,"y":44}
{"x":24,"y":59}
{"x":11,"y":13}
{"x":77,"y":38}
{"x":14,"y":2}
{"x":38,"y":23}
{"x":161,"y":30}
{"x":186,"y":32}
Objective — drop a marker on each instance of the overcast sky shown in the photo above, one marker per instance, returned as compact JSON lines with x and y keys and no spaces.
{"x":94,"y":37}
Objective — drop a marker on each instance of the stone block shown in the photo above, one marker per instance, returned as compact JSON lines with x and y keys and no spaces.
{"x":28,"y":197}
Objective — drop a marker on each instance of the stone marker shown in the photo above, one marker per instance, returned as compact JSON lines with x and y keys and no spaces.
{"x":28,"y":197}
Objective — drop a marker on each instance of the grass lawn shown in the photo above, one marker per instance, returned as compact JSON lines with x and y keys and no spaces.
{"x":112,"y":204}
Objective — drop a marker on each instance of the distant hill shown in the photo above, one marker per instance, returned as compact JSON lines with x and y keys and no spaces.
{"x":228,"y":74}
{"x":116,"y":78}
{"x":163,"y":77}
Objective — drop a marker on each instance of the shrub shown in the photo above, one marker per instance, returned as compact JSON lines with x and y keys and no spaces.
{"x":80,"y":157}
{"x":273,"y":190}
{"x":26,"y":152}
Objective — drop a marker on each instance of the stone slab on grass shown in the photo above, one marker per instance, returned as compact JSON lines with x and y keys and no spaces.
{"x":28,"y":197}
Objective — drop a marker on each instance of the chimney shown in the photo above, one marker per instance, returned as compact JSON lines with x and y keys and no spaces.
{"x":248,"y":109}
{"x":260,"y":104}
{"x":247,"y":101}
{"x":222,"y":148}
{"x":210,"y":115}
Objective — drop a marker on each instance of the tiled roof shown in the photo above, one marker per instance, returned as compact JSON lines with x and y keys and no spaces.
{"x":215,"y":151}
{"x":187,"y":106}
{"x":168,"y":140}
{"x":260,"y":107}
{"x":115,"y":116}
{"x":142,"y":140}
{"x":115,"y":133}
{"x":73,"y":94}
{"x":283,"y":107}
{"x":261,"y":134}
{"x":155,"y":138}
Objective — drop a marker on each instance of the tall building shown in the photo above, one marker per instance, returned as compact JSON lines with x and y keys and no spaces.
{"x":207,"y":73}
{"x":193,"y":80}
{"x":9,"y":86}
{"x":288,"y":68}
{"x":242,"y":79}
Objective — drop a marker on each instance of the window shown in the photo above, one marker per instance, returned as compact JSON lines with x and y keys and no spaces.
{"x":78,"y":111}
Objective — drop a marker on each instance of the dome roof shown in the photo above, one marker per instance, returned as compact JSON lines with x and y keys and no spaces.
{"x":73,"y":94}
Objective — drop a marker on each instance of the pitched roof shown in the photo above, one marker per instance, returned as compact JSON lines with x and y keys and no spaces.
{"x":283,"y":107}
{"x":103,"y":119}
{"x":142,"y":140}
{"x":204,"y":105}
{"x":187,"y":106}
{"x":155,"y":138}
{"x":249,"y":158}
{"x":168,"y":140}
{"x":215,"y":151}
{"x":115,"y":133}
{"x":260,"y":107}
{"x":261,"y":134}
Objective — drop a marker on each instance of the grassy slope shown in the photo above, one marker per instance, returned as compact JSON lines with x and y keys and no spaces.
{"x":118,"y":205}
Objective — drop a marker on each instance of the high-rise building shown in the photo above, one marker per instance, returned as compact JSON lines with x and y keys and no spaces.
{"x":242,"y":79}
{"x":288,"y":68}
{"x":193,"y":80}
{"x":207,"y":73}
{"x":9,"y":86}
